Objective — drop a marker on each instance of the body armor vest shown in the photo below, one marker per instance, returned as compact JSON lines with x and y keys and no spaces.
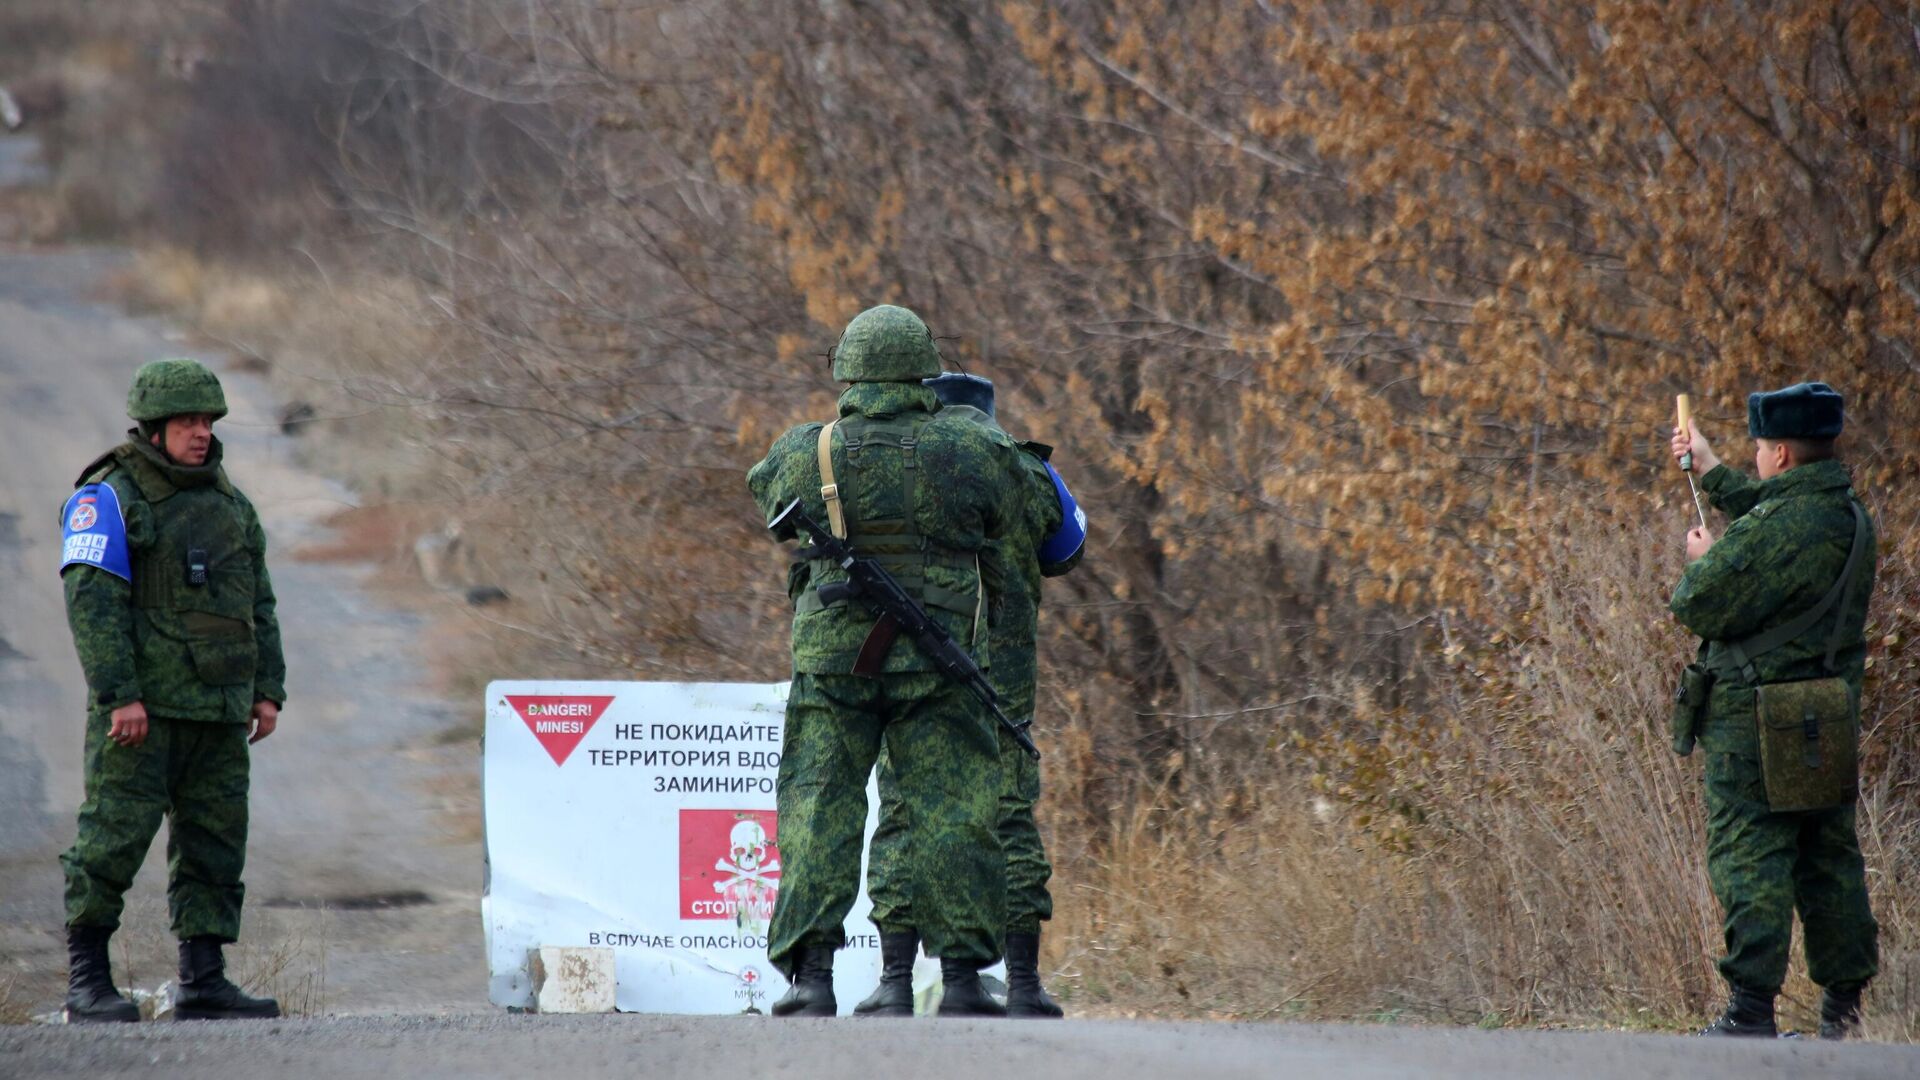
{"x":194,"y":583}
{"x":881,"y":523}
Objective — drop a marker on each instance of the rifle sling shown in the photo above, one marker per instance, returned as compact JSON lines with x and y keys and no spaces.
{"x":873,"y":651}
{"x":830,"y":491}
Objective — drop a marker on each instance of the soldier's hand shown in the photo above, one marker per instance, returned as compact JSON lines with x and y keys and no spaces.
{"x":266,"y":717}
{"x":1689,"y":440}
{"x":129,"y":725}
{"x":1698,"y":541}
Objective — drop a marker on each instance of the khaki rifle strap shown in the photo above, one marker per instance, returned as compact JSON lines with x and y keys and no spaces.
{"x":979,"y":601}
{"x":830,"y":491}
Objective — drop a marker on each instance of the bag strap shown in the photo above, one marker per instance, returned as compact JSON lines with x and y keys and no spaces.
{"x":1741,"y":653}
{"x":830,"y":491}
{"x":1847,"y":576}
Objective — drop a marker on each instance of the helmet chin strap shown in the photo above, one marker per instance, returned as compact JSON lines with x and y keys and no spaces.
{"x":154,"y":434}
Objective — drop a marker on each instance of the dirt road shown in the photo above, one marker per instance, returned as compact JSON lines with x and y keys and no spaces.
{"x":586,"y":1047}
{"x":363,"y":884}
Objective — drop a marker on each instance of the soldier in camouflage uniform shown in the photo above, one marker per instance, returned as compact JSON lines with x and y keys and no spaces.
{"x":1786,"y":548}
{"x":165,"y":574}
{"x":1040,"y":542}
{"x":924,"y":495}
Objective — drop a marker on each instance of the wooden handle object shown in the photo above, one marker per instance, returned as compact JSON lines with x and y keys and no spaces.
{"x":1683,"y":411}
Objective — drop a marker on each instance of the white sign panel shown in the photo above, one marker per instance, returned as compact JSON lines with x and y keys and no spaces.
{"x":640,"y":816}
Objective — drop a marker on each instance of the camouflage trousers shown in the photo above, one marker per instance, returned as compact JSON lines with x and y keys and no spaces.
{"x":195,"y":775}
{"x":947,"y":775}
{"x":1764,"y":866}
{"x":1028,"y":901}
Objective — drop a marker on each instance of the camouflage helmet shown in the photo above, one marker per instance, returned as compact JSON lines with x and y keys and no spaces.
{"x":163,"y":388}
{"x":886,"y":344}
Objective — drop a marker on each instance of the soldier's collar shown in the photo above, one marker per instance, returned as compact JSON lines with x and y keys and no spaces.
{"x":174,"y":476}
{"x":1805,"y":479}
{"x":887,"y":399}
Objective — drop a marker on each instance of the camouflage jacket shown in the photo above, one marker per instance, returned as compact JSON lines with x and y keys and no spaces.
{"x":965,"y":495}
{"x":205,"y":652}
{"x":1013,"y":571}
{"x":1785,"y":547}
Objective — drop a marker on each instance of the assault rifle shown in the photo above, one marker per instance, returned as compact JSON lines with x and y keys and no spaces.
{"x":870,"y":584}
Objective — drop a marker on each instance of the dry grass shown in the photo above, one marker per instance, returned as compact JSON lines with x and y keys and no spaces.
{"x":28,"y":216}
{"x":341,"y":343}
{"x":15,"y":1008}
{"x":383,"y":534}
{"x":283,"y":955}
{"x":287,"y":961}
{"x":1535,"y":857}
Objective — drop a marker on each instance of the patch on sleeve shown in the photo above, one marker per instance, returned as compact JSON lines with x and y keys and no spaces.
{"x":1067,"y":540}
{"x":94,"y":532}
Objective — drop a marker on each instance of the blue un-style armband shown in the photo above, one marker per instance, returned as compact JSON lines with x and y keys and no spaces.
{"x":95,"y":532}
{"x":1067,"y":540}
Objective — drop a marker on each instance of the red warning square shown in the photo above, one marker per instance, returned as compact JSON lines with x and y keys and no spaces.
{"x":729,"y":865}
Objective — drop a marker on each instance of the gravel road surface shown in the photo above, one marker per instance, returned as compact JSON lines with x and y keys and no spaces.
{"x":577,"y":1048}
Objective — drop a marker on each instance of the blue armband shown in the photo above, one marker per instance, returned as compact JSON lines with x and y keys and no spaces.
{"x":95,"y":532}
{"x":1067,"y":540}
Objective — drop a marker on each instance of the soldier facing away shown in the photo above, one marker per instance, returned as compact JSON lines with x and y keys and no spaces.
{"x":1780,"y":603}
{"x":922,"y":494}
{"x":164,"y":569}
{"x":1045,"y":538}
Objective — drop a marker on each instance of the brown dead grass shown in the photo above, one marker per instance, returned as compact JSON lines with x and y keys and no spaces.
{"x":1543,"y":863}
{"x":379,"y":533}
{"x":28,"y":216}
{"x":14,"y":1006}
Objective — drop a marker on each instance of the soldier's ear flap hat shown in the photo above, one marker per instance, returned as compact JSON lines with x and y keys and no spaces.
{"x":1810,"y":410}
{"x":955,"y":388}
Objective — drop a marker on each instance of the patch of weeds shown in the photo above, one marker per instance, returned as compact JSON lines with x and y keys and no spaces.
{"x":290,"y":967}
{"x":14,"y":1007}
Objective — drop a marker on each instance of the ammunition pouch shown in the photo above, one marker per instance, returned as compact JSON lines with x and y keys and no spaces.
{"x":222,"y":649}
{"x":1809,"y":743}
{"x":1690,"y":706}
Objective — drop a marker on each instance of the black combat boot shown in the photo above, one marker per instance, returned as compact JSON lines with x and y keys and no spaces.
{"x":1840,"y":1012}
{"x":91,"y":998}
{"x":961,"y":993}
{"x":1749,"y":1012}
{"x":205,"y":993}
{"x":1025,"y":995}
{"x":812,"y":990}
{"x":894,"y":995}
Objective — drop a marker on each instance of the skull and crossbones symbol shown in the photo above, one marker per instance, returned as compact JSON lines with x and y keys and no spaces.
{"x":747,"y":861}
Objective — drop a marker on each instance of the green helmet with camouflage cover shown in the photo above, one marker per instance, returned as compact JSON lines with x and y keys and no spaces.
{"x":163,"y":388}
{"x":886,"y":344}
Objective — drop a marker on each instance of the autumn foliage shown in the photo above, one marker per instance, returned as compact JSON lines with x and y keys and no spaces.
{"x":1357,"y":327}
